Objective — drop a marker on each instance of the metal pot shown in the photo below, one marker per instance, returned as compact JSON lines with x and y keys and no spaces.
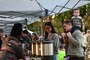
{"x":38,"y":48}
{"x":47,"y":48}
{"x":33,"y":48}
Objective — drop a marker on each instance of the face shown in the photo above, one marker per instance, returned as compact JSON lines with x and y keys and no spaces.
{"x":67,"y":27}
{"x":33,"y":37}
{"x":48,"y":29}
{"x":76,"y":13}
{"x":23,"y":35}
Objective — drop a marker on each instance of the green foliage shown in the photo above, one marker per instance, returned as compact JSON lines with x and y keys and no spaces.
{"x":35,"y":27}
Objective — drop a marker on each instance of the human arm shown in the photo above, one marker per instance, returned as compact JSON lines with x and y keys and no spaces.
{"x":56,"y":43}
{"x":76,"y":39}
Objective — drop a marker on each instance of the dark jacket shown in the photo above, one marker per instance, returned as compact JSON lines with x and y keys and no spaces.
{"x":11,"y":49}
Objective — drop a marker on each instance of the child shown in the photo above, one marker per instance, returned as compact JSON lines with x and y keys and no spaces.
{"x":61,"y":53}
{"x":77,"y":20}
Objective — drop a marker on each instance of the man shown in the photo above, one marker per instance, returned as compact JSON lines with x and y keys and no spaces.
{"x":1,"y":35}
{"x":88,"y":45}
{"x":26,"y":38}
{"x":88,"y":38}
{"x":73,"y":42}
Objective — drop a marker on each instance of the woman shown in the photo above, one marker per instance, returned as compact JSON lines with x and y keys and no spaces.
{"x":34,"y":37}
{"x":11,"y":48}
{"x":50,"y":34}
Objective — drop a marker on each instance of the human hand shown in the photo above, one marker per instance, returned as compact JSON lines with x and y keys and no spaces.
{"x":68,"y":34}
{"x":63,"y":34}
